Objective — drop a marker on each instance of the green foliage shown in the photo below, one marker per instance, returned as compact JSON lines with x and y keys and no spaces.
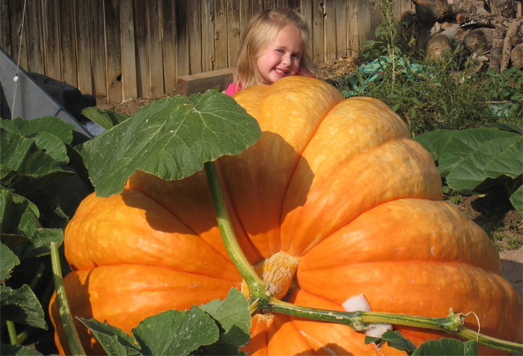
{"x":442,"y":94}
{"x":442,"y":346}
{"x":171,"y":138}
{"x":35,"y":205}
{"x":216,"y":328}
{"x":476,"y":159}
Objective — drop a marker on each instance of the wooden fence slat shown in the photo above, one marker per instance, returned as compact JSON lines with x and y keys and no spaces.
{"x":5,"y":27}
{"x":68,"y":39}
{"x":97,"y":50}
{"x":220,"y":34}
{"x":169,"y":47}
{"x":32,"y":28}
{"x":342,"y":31}
{"x":154,"y":47}
{"x":182,"y":39}
{"x":83,"y":65}
{"x":50,"y":24}
{"x":318,"y":54}
{"x":17,"y":37}
{"x":352,"y":17}
{"x":122,"y":49}
{"x":233,"y":31}
{"x":129,"y":80}
{"x":113,"y":53}
{"x":364,"y":20}
{"x":330,"y":31}
{"x":207,"y":10}
{"x":195,"y":36}
{"x":142,"y":53}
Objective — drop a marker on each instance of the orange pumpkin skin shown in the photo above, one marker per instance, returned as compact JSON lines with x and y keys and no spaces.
{"x":338,"y":183}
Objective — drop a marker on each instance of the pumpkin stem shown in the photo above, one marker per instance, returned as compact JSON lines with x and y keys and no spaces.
{"x":255,"y":284}
{"x":73,"y":340}
{"x":358,"y":321}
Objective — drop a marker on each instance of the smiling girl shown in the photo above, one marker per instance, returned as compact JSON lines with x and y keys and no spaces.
{"x":274,"y":47}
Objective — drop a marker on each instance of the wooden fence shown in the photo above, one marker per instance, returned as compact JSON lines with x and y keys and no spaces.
{"x":123,"y":49}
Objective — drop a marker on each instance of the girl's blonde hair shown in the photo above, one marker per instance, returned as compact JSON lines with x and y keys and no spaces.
{"x":261,"y":31}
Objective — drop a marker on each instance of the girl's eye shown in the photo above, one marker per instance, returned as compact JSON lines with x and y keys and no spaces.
{"x":297,"y":56}
{"x":279,"y":50}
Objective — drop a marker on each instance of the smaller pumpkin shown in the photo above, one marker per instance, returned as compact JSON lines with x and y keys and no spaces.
{"x":335,"y":192}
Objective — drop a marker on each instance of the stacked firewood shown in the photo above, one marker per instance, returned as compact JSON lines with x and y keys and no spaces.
{"x":488,"y":31}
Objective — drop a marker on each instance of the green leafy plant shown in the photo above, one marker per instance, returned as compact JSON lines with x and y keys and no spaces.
{"x":35,"y":205}
{"x":476,"y":159}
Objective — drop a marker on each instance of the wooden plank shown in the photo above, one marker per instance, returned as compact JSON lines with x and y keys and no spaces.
{"x":155,"y":48}
{"x":182,"y":38}
{"x":269,"y":4}
{"x":68,"y":41}
{"x":233,"y":31}
{"x":364,"y":20}
{"x":195,"y":36}
{"x":169,"y":48}
{"x":318,"y":44}
{"x":207,"y":10}
{"x":5,"y":27}
{"x":342,"y":30}
{"x":305,"y":11}
{"x":294,"y":5}
{"x":97,"y":50}
{"x":83,"y":64}
{"x":282,"y":4}
{"x":113,"y":54}
{"x":257,"y":6}
{"x":33,"y":29}
{"x":330,"y":31}
{"x":129,"y":81}
{"x":18,"y":34}
{"x":141,"y":48}
{"x":246,"y":13}
{"x":352,"y":17}
{"x":375,"y":15}
{"x":51,"y":30}
{"x":220,"y":34}
{"x":201,"y":82}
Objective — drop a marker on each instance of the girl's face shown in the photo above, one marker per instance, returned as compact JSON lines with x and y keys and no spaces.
{"x":282,"y":57}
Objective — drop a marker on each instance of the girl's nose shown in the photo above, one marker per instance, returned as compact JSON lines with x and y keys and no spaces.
{"x":286,"y":60}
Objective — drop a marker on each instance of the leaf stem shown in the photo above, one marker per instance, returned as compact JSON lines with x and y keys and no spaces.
{"x":12,"y":332}
{"x":359,"y":321}
{"x":256,"y":285}
{"x":73,"y":340}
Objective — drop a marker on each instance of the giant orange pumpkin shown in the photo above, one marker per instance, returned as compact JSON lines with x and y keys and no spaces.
{"x":340,"y":185}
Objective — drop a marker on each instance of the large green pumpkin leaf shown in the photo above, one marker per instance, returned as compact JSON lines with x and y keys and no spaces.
{"x":435,"y":141}
{"x":462,"y":144}
{"x":49,"y":124}
{"x":18,"y":350}
{"x":509,"y":162}
{"x":469,"y":173}
{"x":105,"y":118}
{"x":176,"y":332}
{"x":234,"y":317}
{"x":24,"y":167}
{"x":517,"y":199}
{"x":171,"y":138}
{"x":21,"y":306}
{"x":114,"y":340}
{"x":8,"y":261}
{"x":53,"y":146}
{"x":449,"y":347}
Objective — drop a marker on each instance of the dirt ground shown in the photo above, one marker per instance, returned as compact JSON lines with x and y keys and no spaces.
{"x":493,"y":212}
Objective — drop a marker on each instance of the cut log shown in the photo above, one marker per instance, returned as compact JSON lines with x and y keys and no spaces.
{"x":467,"y":6}
{"x":430,"y":10}
{"x":505,"y":8}
{"x":475,"y":40}
{"x":201,"y":82}
{"x":437,"y":46}
{"x":516,"y":57}
{"x":497,"y":48}
{"x":507,"y":45}
{"x":483,"y":20}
